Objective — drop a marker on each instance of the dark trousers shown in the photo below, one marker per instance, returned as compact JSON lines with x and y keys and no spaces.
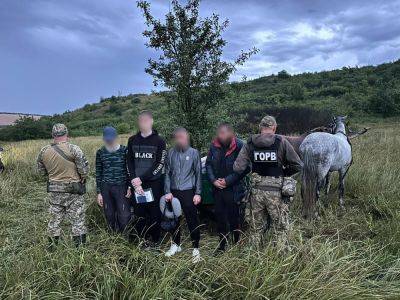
{"x":149,"y":214}
{"x":227,"y":214}
{"x":117,"y":208}
{"x":191,"y":216}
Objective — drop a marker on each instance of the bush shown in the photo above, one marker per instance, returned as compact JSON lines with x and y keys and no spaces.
{"x":386,"y":102}
{"x":290,"y":119}
{"x":115,"y":108}
{"x":26,"y":129}
{"x":334,"y":91}
{"x":296,"y":92}
{"x":123,"y":128}
{"x":135,"y":101}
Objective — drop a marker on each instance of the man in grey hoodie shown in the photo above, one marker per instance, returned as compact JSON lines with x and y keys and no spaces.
{"x":183,"y":181}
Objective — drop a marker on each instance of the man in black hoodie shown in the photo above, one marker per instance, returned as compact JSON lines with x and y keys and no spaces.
{"x":145,"y":160}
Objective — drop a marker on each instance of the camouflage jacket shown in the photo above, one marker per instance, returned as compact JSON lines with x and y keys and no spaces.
{"x":60,"y":171}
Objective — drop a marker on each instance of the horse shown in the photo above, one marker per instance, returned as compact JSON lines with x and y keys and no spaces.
{"x":296,"y":141}
{"x":323,"y":153}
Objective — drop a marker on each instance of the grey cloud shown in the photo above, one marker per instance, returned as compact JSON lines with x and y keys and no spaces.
{"x":58,"y":55}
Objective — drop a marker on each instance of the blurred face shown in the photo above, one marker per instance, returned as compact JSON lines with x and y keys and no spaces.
{"x":225,"y":135}
{"x":145,"y":123}
{"x":181,"y":139}
{"x":61,"y":138}
{"x":110,"y":142}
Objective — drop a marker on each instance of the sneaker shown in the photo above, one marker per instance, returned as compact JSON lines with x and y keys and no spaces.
{"x":174,"y":249}
{"x":196,"y":256}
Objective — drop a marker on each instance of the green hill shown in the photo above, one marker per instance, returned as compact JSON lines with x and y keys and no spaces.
{"x":361,"y":92}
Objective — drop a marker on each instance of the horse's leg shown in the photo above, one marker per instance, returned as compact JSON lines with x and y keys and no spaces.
{"x":323,"y":173}
{"x":320,"y":185}
{"x":342,"y":175}
{"x":327,"y":183}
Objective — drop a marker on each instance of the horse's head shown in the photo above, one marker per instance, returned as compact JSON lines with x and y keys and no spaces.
{"x":338,"y":124}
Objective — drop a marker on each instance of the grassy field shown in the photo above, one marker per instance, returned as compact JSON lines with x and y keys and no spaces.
{"x":351,"y":254}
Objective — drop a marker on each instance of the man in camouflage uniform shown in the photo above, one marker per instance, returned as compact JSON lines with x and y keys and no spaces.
{"x":271,"y":158}
{"x":67,"y":169}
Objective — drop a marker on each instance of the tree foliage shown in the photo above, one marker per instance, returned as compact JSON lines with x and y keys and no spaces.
{"x":190,"y":62}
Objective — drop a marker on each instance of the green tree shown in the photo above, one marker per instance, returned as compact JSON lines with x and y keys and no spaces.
{"x":283,"y":74}
{"x":190,"y":64}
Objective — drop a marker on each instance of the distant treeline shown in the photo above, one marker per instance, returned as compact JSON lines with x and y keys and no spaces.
{"x":298,"y":101}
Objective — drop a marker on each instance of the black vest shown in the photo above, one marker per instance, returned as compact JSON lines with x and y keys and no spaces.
{"x":265,"y":161}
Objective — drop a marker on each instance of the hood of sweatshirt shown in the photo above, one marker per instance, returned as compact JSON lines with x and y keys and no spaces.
{"x":263,"y":140}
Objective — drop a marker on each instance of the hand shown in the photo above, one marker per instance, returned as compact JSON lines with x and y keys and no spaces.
{"x":139,"y":190}
{"x":168,"y":197}
{"x":128,"y":193}
{"x":100,"y":200}
{"x":223,"y":182}
{"x":196,"y":199}
{"x":217,"y":184}
{"x":136,"y":182}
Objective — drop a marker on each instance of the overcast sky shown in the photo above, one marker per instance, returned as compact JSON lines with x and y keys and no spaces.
{"x":60,"y":55}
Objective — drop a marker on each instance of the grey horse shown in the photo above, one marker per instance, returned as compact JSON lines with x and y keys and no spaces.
{"x":323,"y":153}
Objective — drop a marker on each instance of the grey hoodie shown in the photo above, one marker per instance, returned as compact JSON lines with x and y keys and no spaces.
{"x":183,"y":170}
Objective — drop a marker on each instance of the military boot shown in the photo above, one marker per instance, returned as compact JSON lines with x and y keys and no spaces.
{"x":222,"y":245}
{"x":79,"y":240}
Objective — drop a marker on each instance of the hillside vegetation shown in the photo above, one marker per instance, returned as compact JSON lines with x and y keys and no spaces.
{"x":363,"y":93}
{"x":351,"y":254}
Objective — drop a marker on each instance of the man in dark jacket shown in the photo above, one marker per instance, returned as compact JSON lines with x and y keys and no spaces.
{"x":145,"y":160}
{"x":229,"y":187}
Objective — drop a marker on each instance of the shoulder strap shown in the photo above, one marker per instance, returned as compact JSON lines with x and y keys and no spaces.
{"x":278,"y":140}
{"x":62,"y":154}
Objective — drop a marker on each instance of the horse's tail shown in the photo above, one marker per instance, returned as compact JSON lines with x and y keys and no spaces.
{"x":309,"y":185}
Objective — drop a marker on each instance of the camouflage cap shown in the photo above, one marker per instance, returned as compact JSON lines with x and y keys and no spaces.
{"x":59,"y":130}
{"x":268,"y":121}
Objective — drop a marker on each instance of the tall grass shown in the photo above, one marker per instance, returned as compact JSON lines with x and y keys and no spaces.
{"x":351,"y":254}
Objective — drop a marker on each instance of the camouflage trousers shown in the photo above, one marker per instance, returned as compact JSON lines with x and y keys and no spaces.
{"x":267,"y":210}
{"x":66,"y":205}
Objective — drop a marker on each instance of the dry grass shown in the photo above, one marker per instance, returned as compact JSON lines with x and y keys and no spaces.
{"x":352,"y":254}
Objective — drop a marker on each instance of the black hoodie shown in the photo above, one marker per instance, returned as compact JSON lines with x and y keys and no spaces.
{"x":146,"y":156}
